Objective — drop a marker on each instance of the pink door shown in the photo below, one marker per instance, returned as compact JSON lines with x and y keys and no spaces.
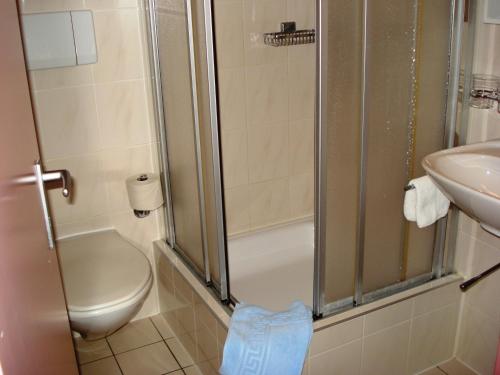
{"x":35,"y":337}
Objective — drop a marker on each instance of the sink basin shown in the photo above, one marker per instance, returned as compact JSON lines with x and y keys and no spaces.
{"x":470,"y":177}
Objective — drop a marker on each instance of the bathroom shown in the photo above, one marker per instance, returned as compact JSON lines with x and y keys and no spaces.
{"x":244,"y":217}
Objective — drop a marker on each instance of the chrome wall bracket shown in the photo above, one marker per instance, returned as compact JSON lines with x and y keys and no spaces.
{"x":485,"y":91}
{"x":289,"y":36}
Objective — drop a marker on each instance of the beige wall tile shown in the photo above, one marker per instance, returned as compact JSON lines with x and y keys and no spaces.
{"x":121,"y":107}
{"x":302,"y":12}
{"x":266,"y":95}
{"x":139,"y":231}
{"x":118,"y":165}
{"x":432,"y":338}
{"x":267,"y":152}
{"x":182,"y":288}
{"x":111,"y":4}
{"x":271,"y":86}
{"x":86,"y":225}
{"x":386,"y":352}
{"x":229,"y":33}
{"x":61,"y":77}
{"x":67,"y":122}
{"x":269,"y":202}
{"x":179,"y":352}
{"x":235,"y":157}
{"x":301,"y":75}
{"x":119,"y":52}
{"x":261,"y":16}
{"x":204,"y":317}
{"x":207,"y":344}
{"x":344,"y":360}
{"x":301,"y":148}
{"x":337,"y":335}
{"x":436,"y":298}
{"x":232,"y":93}
{"x":464,"y":251}
{"x":388,"y":316}
{"x":237,"y":209}
{"x":485,"y":296}
{"x":221,"y":338}
{"x":302,"y":195}
{"x":478,"y":340}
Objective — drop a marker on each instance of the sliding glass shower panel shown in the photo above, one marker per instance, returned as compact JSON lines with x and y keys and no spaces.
{"x":390,"y":64}
{"x":407,"y":67}
{"x":344,"y":54}
{"x":173,"y":49}
{"x":215,"y":231}
{"x":432,"y":55}
{"x":386,"y":85}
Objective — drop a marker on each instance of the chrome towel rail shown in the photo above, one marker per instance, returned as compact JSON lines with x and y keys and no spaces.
{"x":467,"y":284}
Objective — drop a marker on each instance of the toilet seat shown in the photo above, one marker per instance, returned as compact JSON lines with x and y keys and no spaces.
{"x":102,"y":272}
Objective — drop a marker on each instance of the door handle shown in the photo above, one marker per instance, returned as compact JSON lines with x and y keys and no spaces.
{"x":62,"y":175}
{"x":39,"y":177}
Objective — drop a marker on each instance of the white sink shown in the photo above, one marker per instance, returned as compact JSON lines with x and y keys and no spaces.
{"x":470,"y":177}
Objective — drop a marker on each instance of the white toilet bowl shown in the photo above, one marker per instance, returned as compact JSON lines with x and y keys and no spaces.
{"x":106,"y":281}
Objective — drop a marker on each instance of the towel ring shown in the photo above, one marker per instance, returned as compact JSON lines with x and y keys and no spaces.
{"x":409,"y":187}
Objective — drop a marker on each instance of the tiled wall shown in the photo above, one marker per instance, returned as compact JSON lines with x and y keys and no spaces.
{"x":404,"y":338}
{"x":267,"y":112}
{"x":478,"y":250}
{"x":95,"y":120}
{"x":193,"y":323}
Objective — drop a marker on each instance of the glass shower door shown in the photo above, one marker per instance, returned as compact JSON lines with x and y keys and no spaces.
{"x":181,"y":37}
{"x":383,"y":90}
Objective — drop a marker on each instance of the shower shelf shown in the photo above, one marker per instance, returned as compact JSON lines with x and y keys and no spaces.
{"x":289,"y":36}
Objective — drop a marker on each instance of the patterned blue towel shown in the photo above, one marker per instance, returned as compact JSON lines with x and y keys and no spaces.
{"x":262,"y":342}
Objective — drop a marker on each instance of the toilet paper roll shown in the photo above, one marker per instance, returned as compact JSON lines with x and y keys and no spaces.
{"x":144,"y":191}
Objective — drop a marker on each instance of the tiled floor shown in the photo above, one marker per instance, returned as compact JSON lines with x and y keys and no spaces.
{"x":149,"y":347}
{"x":452,"y":367}
{"x":143,"y":347}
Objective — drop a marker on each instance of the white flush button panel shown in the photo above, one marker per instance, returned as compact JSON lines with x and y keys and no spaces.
{"x":492,"y":11}
{"x":83,"y":31}
{"x":59,"y":39}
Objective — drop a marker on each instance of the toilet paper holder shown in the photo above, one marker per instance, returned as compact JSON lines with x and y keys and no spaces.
{"x":142,"y":213}
{"x":145,"y":193}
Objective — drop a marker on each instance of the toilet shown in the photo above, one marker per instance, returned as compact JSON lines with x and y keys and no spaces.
{"x":106,"y":281}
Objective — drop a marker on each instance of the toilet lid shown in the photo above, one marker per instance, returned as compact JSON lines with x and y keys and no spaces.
{"x":101,"y":269}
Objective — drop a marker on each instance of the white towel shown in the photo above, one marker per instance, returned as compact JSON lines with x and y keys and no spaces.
{"x":425,"y":203}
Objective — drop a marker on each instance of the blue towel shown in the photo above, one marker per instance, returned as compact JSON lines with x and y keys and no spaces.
{"x":262,"y":342}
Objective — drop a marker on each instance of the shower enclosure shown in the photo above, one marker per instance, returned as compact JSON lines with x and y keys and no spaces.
{"x":285,"y":164}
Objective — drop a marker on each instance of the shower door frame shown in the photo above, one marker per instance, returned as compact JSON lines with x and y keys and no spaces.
{"x":320,"y":308}
{"x":221,"y":287}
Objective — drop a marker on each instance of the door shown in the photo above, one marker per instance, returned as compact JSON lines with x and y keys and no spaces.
{"x":35,"y":337}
